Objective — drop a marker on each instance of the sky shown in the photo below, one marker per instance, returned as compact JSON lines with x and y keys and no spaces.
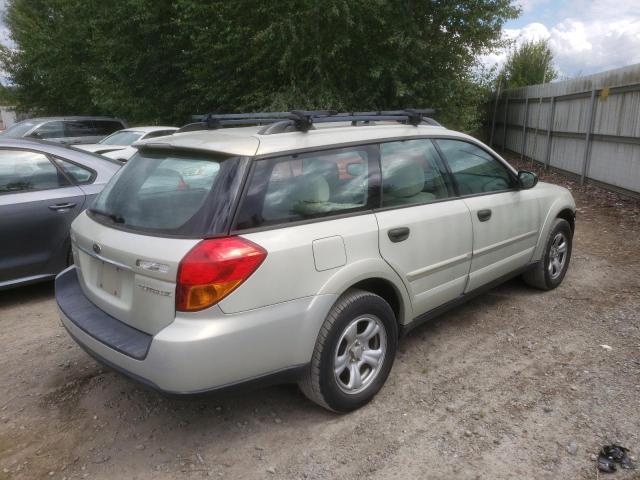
{"x":585,"y":36}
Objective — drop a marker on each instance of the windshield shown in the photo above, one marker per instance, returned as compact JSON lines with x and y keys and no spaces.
{"x":123,"y":137}
{"x":168,"y":193}
{"x":19,"y":129}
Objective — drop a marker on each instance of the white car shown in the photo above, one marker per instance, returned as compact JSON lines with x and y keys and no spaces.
{"x":300,"y":250}
{"x":118,"y":144}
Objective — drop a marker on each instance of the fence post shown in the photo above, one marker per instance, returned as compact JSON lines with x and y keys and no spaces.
{"x":547,"y":156}
{"x":495,"y":112}
{"x":535,"y":135}
{"x":587,"y":138}
{"x":504,"y":124}
{"x":524,"y":128}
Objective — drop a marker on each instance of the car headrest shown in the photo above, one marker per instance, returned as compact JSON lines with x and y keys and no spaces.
{"x":403,"y":179}
{"x":312,"y":188}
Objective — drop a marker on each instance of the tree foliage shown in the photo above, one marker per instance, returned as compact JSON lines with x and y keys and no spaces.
{"x":161,"y":60}
{"x":529,"y":64}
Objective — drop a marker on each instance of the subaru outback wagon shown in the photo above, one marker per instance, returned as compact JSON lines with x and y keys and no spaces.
{"x":299,"y":249}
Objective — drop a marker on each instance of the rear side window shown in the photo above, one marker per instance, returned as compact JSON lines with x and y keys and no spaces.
{"x":474,"y":170}
{"x":412,"y":174}
{"x":169,"y":193}
{"x":77,"y":173}
{"x":305,"y":186}
{"x":22,"y":171}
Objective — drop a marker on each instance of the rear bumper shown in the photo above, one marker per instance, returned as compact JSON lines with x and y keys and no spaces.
{"x":199,"y":352}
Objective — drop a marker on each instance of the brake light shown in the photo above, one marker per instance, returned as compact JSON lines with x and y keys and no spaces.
{"x":213,"y":269}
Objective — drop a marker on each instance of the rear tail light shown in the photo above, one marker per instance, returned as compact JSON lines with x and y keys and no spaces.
{"x":213,"y":269}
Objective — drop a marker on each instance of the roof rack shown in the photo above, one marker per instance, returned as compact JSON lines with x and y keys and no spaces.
{"x":303,"y":120}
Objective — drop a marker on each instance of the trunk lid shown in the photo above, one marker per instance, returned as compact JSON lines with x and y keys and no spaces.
{"x":130,"y":276}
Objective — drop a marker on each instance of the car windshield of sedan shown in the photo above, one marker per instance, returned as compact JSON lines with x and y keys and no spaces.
{"x":123,"y":137}
{"x":19,"y":129}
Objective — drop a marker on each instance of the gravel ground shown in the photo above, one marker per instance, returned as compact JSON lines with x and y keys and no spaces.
{"x":514,"y":384}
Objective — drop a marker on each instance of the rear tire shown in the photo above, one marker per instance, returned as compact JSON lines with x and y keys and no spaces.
{"x":550,"y":271}
{"x":353,"y":354}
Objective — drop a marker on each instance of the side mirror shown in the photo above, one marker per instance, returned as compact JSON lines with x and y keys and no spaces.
{"x":34,"y":135}
{"x":527,"y":179}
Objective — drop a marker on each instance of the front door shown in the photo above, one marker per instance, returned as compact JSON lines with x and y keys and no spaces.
{"x":506,"y":220}
{"x":424,"y":231}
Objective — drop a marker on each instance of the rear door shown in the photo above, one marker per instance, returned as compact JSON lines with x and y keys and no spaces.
{"x":424,"y":231}
{"x":506,"y":220}
{"x":37,"y":205}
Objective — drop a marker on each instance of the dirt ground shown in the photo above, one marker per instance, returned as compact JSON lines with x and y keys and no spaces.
{"x":515,"y":384}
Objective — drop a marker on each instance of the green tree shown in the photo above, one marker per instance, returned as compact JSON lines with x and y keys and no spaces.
{"x":529,"y":64}
{"x":161,"y":60}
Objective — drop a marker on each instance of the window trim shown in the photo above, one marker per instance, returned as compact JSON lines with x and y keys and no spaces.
{"x":373,"y":198}
{"x":48,"y":157}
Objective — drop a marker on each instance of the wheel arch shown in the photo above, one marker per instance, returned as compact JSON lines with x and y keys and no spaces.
{"x":570,"y":216}
{"x":387,"y":291}
{"x":375,"y":276}
{"x":563,"y":207}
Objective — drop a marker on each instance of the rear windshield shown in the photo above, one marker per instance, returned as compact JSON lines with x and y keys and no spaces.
{"x":182,"y":194}
{"x":125,"y":137}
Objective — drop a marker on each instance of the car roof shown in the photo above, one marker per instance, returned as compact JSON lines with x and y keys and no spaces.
{"x":246,"y":141}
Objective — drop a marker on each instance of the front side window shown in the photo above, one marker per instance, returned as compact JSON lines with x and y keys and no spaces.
{"x":167,"y":193}
{"x":76,"y":172}
{"x":299,"y":187}
{"x":22,"y":171}
{"x":412,"y":174}
{"x":474,"y":170}
{"x":50,"y":130}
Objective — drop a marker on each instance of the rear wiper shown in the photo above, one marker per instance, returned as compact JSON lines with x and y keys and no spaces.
{"x":115,"y":218}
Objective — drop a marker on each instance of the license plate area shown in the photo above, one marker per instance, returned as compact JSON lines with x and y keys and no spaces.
{"x":110,"y":279}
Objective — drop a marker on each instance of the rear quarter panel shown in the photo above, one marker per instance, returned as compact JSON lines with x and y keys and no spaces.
{"x":290,"y":270}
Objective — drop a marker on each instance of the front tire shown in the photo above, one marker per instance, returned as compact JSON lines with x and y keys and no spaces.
{"x":550,"y":271}
{"x":353,"y":354}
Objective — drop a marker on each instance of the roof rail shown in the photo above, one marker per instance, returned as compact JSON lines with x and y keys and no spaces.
{"x":303,"y":120}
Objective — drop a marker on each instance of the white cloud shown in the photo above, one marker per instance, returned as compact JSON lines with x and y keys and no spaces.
{"x":592,"y":37}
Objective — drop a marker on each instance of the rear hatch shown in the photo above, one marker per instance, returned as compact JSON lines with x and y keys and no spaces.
{"x":129,"y":244}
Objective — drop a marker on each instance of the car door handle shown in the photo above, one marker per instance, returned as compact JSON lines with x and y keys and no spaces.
{"x":484,"y":215}
{"x":398,"y":234}
{"x":62,"y":206}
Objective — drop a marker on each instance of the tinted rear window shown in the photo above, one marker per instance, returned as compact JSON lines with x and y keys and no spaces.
{"x":184,"y":194}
